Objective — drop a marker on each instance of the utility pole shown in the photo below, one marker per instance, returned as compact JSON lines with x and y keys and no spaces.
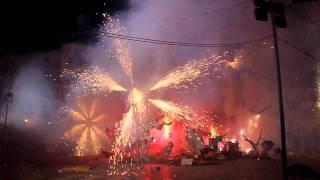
{"x":281,"y":108}
{"x":277,"y":13}
{"x":8,"y":99}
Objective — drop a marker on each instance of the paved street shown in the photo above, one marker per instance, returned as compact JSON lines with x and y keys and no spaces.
{"x":231,"y":169}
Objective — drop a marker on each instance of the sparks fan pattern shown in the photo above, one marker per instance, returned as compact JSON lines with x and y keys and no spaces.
{"x":85,"y":133}
{"x":132,"y":125}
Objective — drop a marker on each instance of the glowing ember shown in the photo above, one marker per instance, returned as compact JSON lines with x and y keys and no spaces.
{"x":234,"y":64}
{"x":253,"y":124}
{"x":85,"y":133}
{"x":213,"y":132}
{"x":188,"y":73}
{"x":241,"y":132}
{"x":248,"y":150}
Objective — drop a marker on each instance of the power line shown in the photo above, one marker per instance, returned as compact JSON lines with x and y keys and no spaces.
{"x":286,"y":42}
{"x":245,"y":4}
{"x":229,"y":7}
{"x":177,"y":43}
{"x":213,"y":11}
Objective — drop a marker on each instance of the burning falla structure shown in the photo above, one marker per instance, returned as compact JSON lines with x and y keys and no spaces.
{"x":152,"y":126}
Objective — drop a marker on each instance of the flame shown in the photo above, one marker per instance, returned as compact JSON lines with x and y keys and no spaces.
{"x":213,"y":131}
{"x":187,"y":73}
{"x":248,"y":150}
{"x":234,"y":64}
{"x":253,"y":124}
{"x":233,"y":140}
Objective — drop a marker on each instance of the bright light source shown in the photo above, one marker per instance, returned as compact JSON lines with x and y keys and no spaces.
{"x":241,"y":132}
{"x":234,"y":64}
{"x":248,"y":151}
{"x":213,"y":131}
{"x":26,"y":120}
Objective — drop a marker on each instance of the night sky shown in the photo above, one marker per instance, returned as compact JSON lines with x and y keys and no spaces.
{"x":29,"y":27}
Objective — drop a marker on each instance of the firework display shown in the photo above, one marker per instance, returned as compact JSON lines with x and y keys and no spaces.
{"x":130,"y":89}
{"x":178,"y":131}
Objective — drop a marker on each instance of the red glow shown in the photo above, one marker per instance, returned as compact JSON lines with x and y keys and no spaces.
{"x":205,"y":140}
{"x":168,"y":133}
